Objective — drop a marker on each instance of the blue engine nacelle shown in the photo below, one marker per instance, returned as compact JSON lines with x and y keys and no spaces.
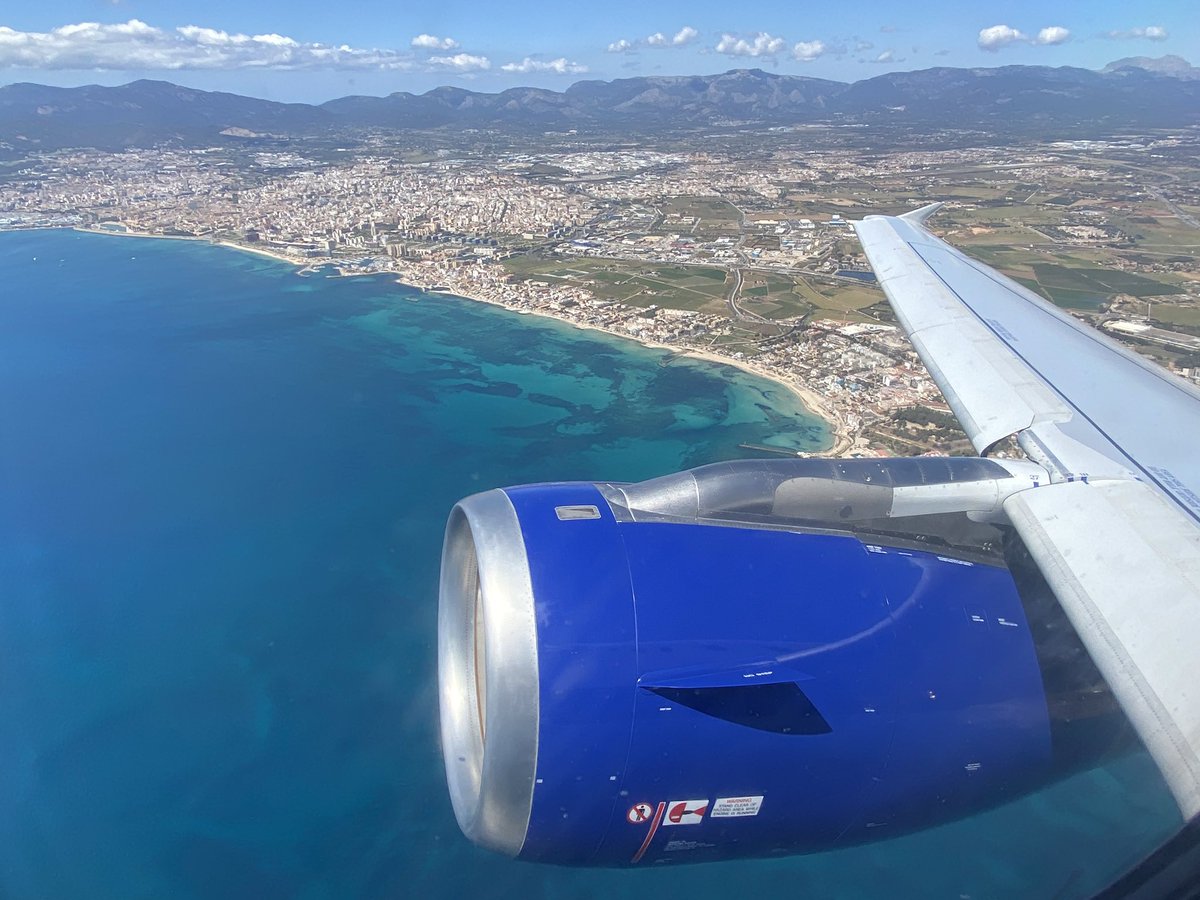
{"x":746,"y":659}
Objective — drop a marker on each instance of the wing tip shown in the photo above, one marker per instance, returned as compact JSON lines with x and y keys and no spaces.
{"x":918,"y":216}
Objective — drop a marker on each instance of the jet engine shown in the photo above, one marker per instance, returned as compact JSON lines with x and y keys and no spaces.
{"x":750,"y":659}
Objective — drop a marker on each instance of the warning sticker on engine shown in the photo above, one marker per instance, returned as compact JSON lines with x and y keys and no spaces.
{"x":727,"y":807}
{"x":685,"y":812}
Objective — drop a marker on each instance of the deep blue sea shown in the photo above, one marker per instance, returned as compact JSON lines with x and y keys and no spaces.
{"x":222,"y":493}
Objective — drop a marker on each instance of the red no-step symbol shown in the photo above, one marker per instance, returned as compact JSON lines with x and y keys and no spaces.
{"x":639,"y":814}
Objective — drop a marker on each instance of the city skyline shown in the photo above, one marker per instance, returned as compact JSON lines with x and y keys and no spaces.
{"x":316,"y":53}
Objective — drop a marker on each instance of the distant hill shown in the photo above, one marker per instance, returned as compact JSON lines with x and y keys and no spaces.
{"x":1131,"y":93}
{"x":1024,"y":98}
{"x":1174,"y":66}
{"x":140,"y":114}
{"x":742,"y":95}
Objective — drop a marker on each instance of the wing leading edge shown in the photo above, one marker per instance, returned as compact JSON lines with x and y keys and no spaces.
{"x":1116,"y":532}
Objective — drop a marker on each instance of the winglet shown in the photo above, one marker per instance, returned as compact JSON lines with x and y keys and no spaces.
{"x":918,"y":216}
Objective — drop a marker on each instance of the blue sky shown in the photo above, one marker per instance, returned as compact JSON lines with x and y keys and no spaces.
{"x":316,"y":51}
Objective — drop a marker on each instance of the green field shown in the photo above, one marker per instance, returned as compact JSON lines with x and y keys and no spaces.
{"x":777,"y":306}
{"x":714,"y":217}
{"x":847,"y":303}
{"x":1099,"y":281}
{"x":776,"y":296}
{"x":763,"y":284}
{"x":701,"y":207}
{"x":1083,"y":278}
{"x":700,"y":288}
{"x":704,"y":288}
{"x":1022,"y":210}
{"x":1065,"y":297}
{"x":1177,"y":315}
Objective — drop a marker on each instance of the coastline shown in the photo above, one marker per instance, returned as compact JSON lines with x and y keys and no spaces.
{"x":82,"y":229}
{"x":841,"y":441}
{"x":128,"y":232}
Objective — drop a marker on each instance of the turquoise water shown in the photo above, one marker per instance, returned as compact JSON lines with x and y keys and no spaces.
{"x":222,"y":489}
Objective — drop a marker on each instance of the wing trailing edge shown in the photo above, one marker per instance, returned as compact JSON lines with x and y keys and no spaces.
{"x":1125,"y":566}
{"x":1117,"y":533}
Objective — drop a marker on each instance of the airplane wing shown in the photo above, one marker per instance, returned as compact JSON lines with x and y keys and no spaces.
{"x":1116,"y":531}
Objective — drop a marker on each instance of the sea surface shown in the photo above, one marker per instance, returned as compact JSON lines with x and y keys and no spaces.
{"x":222,"y":493}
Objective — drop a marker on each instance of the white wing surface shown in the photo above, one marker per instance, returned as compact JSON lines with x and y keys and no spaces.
{"x":1116,"y":531}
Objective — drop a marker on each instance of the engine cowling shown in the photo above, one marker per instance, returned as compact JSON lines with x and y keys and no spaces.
{"x":747,"y":659}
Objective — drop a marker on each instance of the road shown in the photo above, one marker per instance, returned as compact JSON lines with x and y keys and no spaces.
{"x":1179,"y":211}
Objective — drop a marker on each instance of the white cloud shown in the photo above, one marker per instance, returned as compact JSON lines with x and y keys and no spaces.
{"x":999,"y":36}
{"x":762,"y":44}
{"x":1054,"y":34}
{"x":807,"y":51}
{"x":684,"y":35}
{"x":132,"y":28}
{"x":884,"y":57}
{"x":208,"y":37}
{"x":992,"y":39}
{"x":433,"y":42}
{"x":863,"y":46}
{"x":461,"y":62}
{"x":560,"y":66}
{"x":1150,"y":33}
{"x":134,"y":45}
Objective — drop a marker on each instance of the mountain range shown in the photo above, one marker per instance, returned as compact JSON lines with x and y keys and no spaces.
{"x":1128,"y":94}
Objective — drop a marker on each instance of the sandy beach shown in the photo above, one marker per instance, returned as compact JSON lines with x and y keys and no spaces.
{"x":259,"y":251}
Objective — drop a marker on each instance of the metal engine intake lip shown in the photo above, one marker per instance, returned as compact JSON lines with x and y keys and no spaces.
{"x":488,"y":672}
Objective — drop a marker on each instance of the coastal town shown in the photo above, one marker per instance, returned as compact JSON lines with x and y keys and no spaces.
{"x":746,"y":258}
